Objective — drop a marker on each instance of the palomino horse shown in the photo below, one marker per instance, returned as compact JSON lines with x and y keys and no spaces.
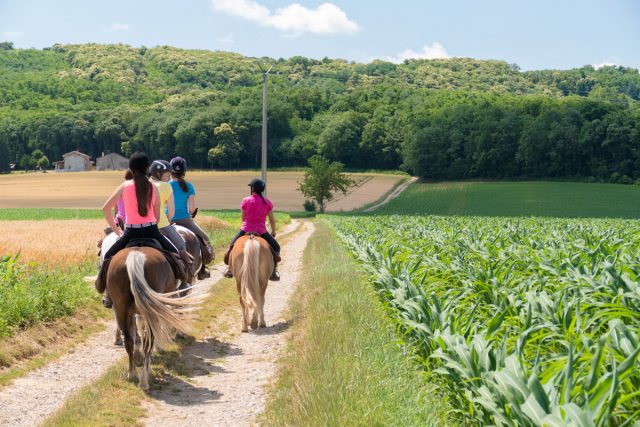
{"x":251,"y":262}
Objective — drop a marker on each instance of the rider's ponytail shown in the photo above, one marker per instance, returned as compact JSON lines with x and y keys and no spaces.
{"x":181,"y":181}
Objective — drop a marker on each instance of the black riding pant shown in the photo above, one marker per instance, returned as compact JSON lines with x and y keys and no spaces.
{"x":150,"y":231}
{"x":266,"y":236}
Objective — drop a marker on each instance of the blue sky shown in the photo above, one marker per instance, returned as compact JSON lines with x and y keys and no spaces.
{"x":538,"y":34}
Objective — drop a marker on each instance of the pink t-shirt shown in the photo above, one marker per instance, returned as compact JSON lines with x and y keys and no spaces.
{"x":255,"y":214}
{"x":131,"y":205}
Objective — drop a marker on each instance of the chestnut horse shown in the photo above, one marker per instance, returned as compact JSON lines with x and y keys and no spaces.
{"x":251,"y":262}
{"x":142,"y":287}
{"x":193,"y":247}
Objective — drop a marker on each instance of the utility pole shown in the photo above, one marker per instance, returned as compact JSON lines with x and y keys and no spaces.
{"x":264,"y":120}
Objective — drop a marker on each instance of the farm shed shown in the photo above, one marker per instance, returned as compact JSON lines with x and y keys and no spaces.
{"x":74,"y":161}
{"x":112,"y":162}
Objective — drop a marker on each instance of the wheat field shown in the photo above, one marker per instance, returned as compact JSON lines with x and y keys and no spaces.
{"x":214,"y":190}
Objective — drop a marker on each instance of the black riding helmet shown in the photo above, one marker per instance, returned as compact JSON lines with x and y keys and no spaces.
{"x":139,"y":161}
{"x":178,"y":165}
{"x":257,"y":185}
{"x":159,"y":166}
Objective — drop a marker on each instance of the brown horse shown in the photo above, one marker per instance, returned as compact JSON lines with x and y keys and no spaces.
{"x":142,"y":287}
{"x":251,"y":262}
{"x":193,"y":247}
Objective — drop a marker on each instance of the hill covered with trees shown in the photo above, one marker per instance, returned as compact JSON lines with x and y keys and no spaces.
{"x":441,"y":119}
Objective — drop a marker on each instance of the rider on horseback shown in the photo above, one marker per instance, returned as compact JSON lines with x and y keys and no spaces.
{"x":160,"y":171}
{"x":255,"y":210}
{"x":142,"y":210}
{"x":184,"y":195}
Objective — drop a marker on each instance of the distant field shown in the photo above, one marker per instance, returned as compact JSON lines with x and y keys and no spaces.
{"x":215,"y":190}
{"x":558,"y":199}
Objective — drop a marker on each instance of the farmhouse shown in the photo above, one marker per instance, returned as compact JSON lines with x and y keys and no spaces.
{"x":112,"y":162}
{"x":74,"y":161}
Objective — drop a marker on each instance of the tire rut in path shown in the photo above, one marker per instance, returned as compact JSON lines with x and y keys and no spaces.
{"x":30,"y":399}
{"x":226,"y":385}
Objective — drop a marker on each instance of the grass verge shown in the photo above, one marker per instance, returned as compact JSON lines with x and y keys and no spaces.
{"x":343,"y":365}
{"x":555,"y":199}
{"x":36,"y":346}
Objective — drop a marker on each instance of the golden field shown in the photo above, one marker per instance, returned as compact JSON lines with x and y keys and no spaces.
{"x":63,"y":243}
{"x":55,"y":243}
{"x":214,"y":190}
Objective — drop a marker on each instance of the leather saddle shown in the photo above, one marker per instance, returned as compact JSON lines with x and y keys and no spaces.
{"x":145,"y":242}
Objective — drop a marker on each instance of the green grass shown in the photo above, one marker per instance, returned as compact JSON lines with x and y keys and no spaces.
{"x":557,"y":199}
{"x":31,"y":294}
{"x":42,"y":214}
{"x":343,"y":365}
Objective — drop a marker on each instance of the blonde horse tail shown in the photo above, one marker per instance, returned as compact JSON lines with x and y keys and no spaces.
{"x":250,"y":272}
{"x":161,"y":313}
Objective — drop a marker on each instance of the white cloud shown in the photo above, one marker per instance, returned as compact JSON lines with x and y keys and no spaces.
{"x":435,"y":51}
{"x":116,"y":27}
{"x":293,"y":19}
{"x":611,"y":61}
{"x":13,"y":34}
{"x":227,"y":39}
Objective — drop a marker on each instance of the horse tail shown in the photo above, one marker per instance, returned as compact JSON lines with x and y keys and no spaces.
{"x":250,"y":272}
{"x":161,"y":313}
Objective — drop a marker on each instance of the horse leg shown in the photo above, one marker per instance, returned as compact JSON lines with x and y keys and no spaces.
{"x":125,"y":325}
{"x":145,"y":372}
{"x":245,"y":316}
{"x":140,"y":330}
{"x":118,"y":337}
{"x":263,"y":290}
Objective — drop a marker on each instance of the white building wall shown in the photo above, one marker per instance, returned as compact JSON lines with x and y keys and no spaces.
{"x":74,"y":163}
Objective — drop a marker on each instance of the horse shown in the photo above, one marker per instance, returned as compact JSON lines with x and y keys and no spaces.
{"x":142,"y":287}
{"x":193,"y":247}
{"x":251,"y":262}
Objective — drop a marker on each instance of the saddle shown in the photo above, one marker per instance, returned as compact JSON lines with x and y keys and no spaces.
{"x":179,"y":268}
{"x":276,"y":256}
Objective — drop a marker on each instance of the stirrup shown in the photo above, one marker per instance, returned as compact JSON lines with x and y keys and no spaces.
{"x":275,"y":276}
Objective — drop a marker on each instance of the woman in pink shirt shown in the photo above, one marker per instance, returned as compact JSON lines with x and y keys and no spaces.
{"x":255,"y":210}
{"x":142,"y":208}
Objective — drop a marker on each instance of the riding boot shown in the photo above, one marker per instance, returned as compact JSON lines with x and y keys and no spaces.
{"x":228,"y":273}
{"x":106,"y":300}
{"x":275,"y":276}
{"x":203,"y":273}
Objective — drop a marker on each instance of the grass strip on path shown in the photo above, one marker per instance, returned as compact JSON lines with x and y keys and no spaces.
{"x":343,"y":365}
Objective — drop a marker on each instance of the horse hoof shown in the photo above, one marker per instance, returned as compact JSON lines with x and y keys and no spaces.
{"x":254,"y":325}
{"x":244,"y":330}
{"x":119,"y":342}
{"x":263,"y":325}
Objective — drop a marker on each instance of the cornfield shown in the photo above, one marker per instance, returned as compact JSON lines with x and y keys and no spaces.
{"x":524,"y":322}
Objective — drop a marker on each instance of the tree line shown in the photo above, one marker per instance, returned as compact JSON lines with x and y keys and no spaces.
{"x":441,"y":119}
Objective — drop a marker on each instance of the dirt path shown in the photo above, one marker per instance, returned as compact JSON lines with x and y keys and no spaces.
{"x":393,"y":195}
{"x":34,"y":397}
{"x":228,"y":375}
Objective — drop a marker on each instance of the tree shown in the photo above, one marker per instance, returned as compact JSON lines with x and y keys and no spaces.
{"x":43,"y":163}
{"x":4,"y":156}
{"x":323,"y":179}
{"x":225,"y":153}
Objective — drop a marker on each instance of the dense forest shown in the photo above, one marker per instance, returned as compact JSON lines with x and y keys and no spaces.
{"x":441,"y":119}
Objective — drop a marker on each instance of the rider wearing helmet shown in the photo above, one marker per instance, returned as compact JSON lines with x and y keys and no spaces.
{"x":160,"y":172}
{"x":142,"y":210}
{"x":255,"y":210}
{"x":184,"y":195}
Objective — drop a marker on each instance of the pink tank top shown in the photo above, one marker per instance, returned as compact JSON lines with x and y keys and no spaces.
{"x":131,"y":205}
